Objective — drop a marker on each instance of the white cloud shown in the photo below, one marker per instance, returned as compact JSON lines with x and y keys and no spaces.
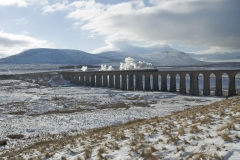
{"x":56,"y":7}
{"x":133,"y":47}
{"x":15,"y":43}
{"x":22,"y":3}
{"x":133,"y":25}
{"x":24,"y":32}
{"x":217,"y":54}
{"x":186,"y":22}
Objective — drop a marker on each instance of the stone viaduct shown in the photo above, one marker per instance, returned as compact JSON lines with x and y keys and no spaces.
{"x":134,"y":80}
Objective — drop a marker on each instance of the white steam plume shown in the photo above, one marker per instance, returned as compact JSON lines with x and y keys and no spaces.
{"x":130,"y":64}
{"x":84,"y":68}
{"x":105,"y":68}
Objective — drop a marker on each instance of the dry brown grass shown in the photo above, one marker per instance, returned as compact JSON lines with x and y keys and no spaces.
{"x":181,"y":131}
{"x":3,"y":142}
{"x":15,"y":136}
{"x":185,"y":141}
{"x":200,"y":156}
{"x":138,"y":140}
{"x":100,"y":152}
{"x":225,"y":137}
{"x":228,"y":126}
{"x":148,"y":155}
{"x":153,"y":149}
{"x":173,"y":139}
{"x":115,"y":106}
{"x":88,"y":153}
{"x":141,"y":104}
{"x":194,"y":129}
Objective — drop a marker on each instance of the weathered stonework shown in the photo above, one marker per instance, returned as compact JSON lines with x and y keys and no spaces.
{"x":102,"y":81}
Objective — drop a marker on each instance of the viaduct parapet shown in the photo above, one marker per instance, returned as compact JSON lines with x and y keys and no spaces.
{"x":149,"y":80}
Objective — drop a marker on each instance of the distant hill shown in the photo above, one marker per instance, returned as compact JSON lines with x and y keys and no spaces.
{"x":54,"y":56}
{"x":168,"y":57}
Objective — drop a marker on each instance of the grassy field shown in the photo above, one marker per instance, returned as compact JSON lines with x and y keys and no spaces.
{"x":207,"y":132}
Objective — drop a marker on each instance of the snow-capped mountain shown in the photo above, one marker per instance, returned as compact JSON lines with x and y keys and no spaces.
{"x":54,"y":56}
{"x":120,"y":56}
{"x":171,"y":58}
{"x":168,"y":57}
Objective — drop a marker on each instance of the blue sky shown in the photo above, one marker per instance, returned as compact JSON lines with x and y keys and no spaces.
{"x":201,"y":27}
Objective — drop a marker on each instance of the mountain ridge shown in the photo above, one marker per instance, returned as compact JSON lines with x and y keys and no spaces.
{"x":169,"y":57}
{"x":54,"y":56}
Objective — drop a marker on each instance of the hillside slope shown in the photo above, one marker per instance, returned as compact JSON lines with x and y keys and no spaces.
{"x":171,"y":57}
{"x":54,"y":56}
{"x":168,"y":57}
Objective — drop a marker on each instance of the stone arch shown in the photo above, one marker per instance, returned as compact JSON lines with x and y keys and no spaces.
{"x":212,"y":83}
{"x":187,"y":82}
{"x":84,"y":79}
{"x":225,"y":84}
{"x":139,"y":81}
{"x":147,"y":82}
{"x":173,"y":82}
{"x":120,"y":80}
{"x":168,"y":82}
{"x":95,"y":79}
{"x":130,"y":82}
{"x":104,"y":80}
{"x":177,"y":82}
{"x":124,"y":82}
{"x":159,"y":81}
{"x":134,"y":82}
{"x":163,"y":82}
{"x":114,"y":80}
{"x":127,"y":82}
{"x":98,"y":80}
{"x":92,"y":80}
{"x":200,"y":83}
{"x":154,"y":82}
{"x":117,"y":83}
{"x":151,"y":81}
{"x":76,"y":79}
{"x":143,"y":81}
{"x":110,"y":81}
{"x":218,"y":89}
{"x":237,"y":83}
{"x":182,"y":87}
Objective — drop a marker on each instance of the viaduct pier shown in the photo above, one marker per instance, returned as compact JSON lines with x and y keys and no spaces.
{"x":154,"y":80}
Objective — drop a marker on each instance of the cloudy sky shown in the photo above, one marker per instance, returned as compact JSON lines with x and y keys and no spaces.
{"x":209,"y":29}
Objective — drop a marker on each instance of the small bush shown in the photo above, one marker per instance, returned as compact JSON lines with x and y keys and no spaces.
{"x":181,"y":131}
{"x":147,"y":154}
{"x":153,"y":149}
{"x":88,"y":153}
{"x":225,"y":137}
{"x":100,"y":152}
{"x":3,"y":142}
{"x":194,"y":129}
{"x":15,"y":136}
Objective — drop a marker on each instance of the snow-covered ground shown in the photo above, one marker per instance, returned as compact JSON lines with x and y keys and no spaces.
{"x":33,"y":110}
{"x":204,"y":132}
